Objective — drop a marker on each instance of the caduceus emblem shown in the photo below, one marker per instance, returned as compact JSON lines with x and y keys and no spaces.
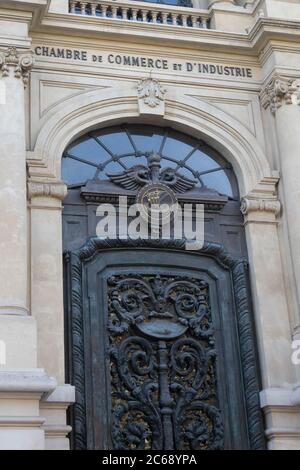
{"x":157,"y":186}
{"x":136,"y":177}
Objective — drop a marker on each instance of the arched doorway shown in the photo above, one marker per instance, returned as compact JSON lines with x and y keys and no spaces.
{"x":161,"y":346}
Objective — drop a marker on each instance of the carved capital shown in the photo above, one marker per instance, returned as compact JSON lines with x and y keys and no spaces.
{"x":21,"y":64}
{"x":57,"y":190}
{"x":280,"y":90}
{"x":258,"y":209}
{"x":260,"y":205}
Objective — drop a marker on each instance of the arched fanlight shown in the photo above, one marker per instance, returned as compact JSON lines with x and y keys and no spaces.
{"x":102,"y":153}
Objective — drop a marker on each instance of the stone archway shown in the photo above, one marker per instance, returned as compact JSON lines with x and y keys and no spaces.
{"x":257,"y":186}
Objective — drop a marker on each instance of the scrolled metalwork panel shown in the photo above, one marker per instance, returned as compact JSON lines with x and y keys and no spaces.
{"x":162,"y":364}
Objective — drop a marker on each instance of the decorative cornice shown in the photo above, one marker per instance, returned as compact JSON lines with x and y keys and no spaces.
{"x":56,"y":190}
{"x":278,"y":91}
{"x":20,"y":63}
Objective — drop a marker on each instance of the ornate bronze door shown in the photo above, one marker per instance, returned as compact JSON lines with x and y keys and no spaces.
{"x":160,"y":340}
{"x":161,"y":348}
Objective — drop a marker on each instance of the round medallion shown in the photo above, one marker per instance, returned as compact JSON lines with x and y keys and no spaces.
{"x":158,"y":203}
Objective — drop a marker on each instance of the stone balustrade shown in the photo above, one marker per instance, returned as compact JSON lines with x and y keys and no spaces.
{"x":158,"y":14}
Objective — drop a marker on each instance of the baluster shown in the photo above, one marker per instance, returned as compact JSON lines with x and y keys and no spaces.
{"x":114,"y":11}
{"x":93,"y":8}
{"x":172,"y":18}
{"x":73,"y":7}
{"x":203,"y":23}
{"x":192,"y":21}
{"x":120,"y":12}
{"x":134,"y":14}
{"x":144,"y":16}
{"x":164,"y":17}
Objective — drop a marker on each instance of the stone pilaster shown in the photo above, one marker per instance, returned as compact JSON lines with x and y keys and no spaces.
{"x":14,"y":319}
{"x":45,"y":202}
{"x":260,"y":209}
{"x":281,"y":95}
{"x":46,"y":272}
{"x":21,"y":383}
{"x":14,"y":68}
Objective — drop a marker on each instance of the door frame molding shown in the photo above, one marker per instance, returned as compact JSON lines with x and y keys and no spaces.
{"x":74,"y":261}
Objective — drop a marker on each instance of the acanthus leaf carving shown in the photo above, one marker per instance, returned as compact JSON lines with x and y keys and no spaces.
{"x":151,"y":92}
{"x":20,"y":63}
{"x":279,"y":91}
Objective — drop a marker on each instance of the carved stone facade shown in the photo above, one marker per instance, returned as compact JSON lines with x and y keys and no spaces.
{"x":56,"y":190}
{"x":226,"y":73}
{"x":20,"y":63}
{"x":252,"y":204}
{"x":151,"y":92}
{"x":151,"y":96}
{"x":279,"y":91}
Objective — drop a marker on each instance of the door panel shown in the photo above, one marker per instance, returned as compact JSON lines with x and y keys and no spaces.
{"x":161,"y":348}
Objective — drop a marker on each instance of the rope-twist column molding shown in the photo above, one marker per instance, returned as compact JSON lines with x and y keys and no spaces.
{"x":280,"y":90}
{"x":21,"y":64}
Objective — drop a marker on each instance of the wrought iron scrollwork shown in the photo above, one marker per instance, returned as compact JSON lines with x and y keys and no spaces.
{"x":163,"y":378}
{"x":142,"y":428}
